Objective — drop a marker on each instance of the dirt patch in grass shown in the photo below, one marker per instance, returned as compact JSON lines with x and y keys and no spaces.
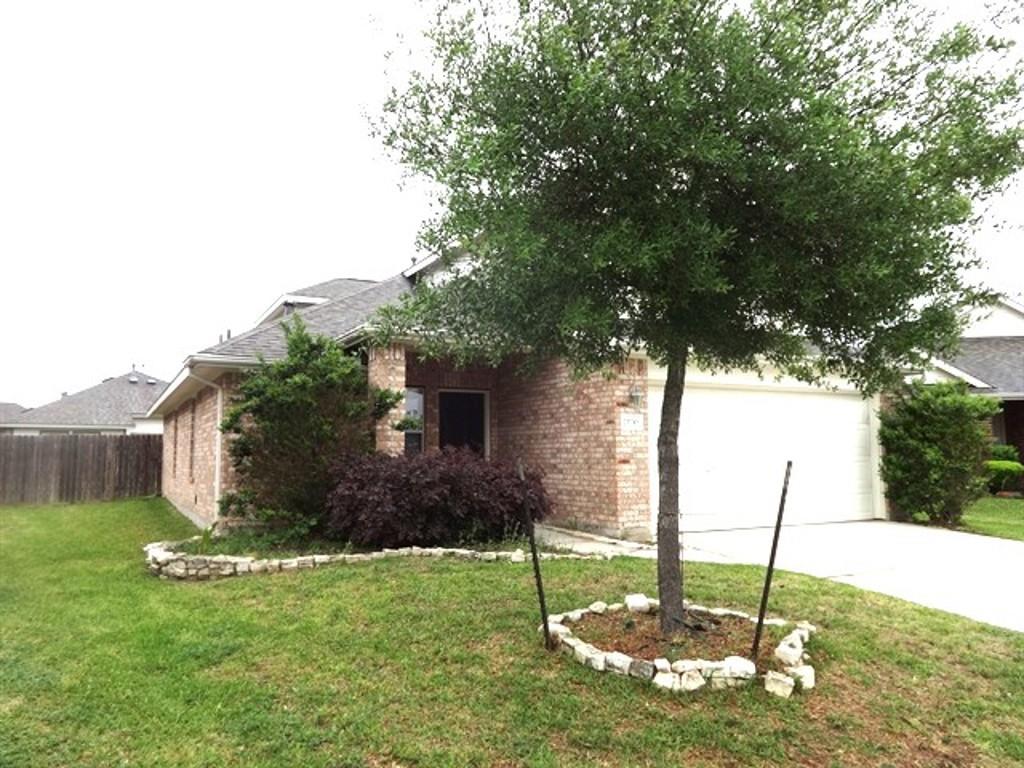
{"x":639,"y":635}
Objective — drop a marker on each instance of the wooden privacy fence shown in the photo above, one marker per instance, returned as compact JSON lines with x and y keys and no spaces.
{"x":51,"y":468}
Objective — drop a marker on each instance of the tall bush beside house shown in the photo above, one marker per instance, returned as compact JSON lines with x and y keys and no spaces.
{"x":292,"y":420}
{"x":936,"y":441}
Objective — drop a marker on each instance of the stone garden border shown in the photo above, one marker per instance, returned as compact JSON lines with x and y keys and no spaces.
{"x":687,"y":675}
{"x":164,"y":561}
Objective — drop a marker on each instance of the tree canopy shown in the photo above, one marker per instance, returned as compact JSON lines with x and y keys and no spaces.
{"x":751,"y":183}
{"x":785,"y":183}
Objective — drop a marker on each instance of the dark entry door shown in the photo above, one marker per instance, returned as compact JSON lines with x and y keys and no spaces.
{"x":462,"y":419}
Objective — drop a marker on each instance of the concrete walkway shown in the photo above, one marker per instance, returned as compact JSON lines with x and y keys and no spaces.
{"x":963,"y":573}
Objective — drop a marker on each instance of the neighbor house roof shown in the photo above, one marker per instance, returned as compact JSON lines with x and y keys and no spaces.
{"x":337,"y":317}
{"x":7,"y":410}
{"x":115,"y":402}
{"x":996,"y":360}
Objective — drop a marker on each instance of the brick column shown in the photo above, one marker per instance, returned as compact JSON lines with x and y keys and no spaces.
{"x":632,"y":468}
{"x":386,"y":370}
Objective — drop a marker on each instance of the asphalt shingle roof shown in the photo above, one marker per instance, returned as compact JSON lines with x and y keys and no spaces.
{"x":333,"y":318}
{"x":334,"y":289}
{"x":996,"y":360}
{"x":111,"y":403}
{"x":9,"y":410}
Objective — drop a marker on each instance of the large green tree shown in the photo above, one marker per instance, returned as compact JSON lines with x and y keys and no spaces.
{"x":784,"y":183}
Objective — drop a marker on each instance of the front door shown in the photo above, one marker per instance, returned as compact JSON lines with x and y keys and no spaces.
{"x":463,"y":420}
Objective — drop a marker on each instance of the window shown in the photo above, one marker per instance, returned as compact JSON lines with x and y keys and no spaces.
{"x":414,"y":421}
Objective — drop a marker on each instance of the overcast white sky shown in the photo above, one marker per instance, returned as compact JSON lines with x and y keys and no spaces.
{"x":168,"y":169}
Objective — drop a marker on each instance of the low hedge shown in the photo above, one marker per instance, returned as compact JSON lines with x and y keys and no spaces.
{"x":433,"y":499}
{"x":1002,"y":452}
{"x":1004,"y":475}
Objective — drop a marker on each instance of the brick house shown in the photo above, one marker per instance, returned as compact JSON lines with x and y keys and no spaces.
{"x":594,"y":439}
{"x":991,"y":362}
{"x":116,"y":406}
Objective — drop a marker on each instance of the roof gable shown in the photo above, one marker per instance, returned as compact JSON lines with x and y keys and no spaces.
{"x":996,"y":360}
{"x":1005,"y":318}
{"x":335,"y":318}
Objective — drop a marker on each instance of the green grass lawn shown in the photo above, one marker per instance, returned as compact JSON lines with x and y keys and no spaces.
{"x":422,"y":662}
{"x":996,"y":517}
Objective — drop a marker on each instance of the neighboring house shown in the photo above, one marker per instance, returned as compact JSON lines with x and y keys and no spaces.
{"x":991,"y":361}
{"x":9,"y":410}
{"x":116,"y":406}
{"x":594,"y":440}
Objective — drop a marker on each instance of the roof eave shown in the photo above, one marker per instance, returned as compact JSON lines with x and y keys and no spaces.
{"x":225,"y":362}
{"x":962,"y":375}
{"x":286,"y":298}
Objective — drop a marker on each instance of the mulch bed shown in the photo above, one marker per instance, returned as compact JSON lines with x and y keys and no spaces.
{"x":639,"y":635}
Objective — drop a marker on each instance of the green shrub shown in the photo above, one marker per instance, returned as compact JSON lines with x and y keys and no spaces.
{"x":1004,"y":475}
{"x":1002,"y":452}
{"x":291,"y":421}
{"x":936,"y":440}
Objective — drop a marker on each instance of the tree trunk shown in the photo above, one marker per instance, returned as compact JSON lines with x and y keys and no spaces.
{"x":670,"y":571}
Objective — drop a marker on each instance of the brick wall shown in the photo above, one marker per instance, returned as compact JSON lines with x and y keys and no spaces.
{"x":587,"y":437}
{"x":189,"y":454}
{"x":594,"y":461}
{"x":385,"y":369}
{"x":432,"y":376}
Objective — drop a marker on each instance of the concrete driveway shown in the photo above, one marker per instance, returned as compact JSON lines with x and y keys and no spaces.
{"x":963,"y":573}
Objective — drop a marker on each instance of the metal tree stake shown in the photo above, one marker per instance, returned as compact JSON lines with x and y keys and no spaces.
{"x":528,"y":515}
{"x":771,"y":566}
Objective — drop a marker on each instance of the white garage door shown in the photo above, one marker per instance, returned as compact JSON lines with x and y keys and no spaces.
{"x":733,"y":447}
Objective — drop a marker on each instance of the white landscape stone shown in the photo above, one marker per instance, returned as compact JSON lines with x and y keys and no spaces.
{"x":662,"y":665}
{"x":569,"y":644}
{"x":590,"y":656}
{"x":807,"y":625}
{"x":667,"y":680}
{"x":804,"y":676}
{"x":616,"y":608}
{"x":779,"y":684}
{"x":641,"y":669}
{"x":556,"y":630}
{"x":596,"y":660}
{"x":789,"y":653}
{"x":598,"y":607}
{"x":737,"y":666}
{"x":518,"y":556}
{"x":617,"y":662}
{"x":691,"y":680}
{"x":638,"y":603}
